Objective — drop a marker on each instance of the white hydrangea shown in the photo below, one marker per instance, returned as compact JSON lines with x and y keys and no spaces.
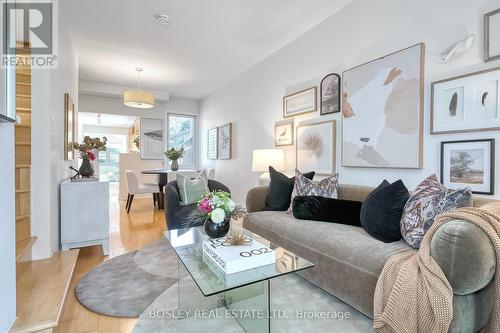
{"x":230,"y":205}
{"x":218,"y":215}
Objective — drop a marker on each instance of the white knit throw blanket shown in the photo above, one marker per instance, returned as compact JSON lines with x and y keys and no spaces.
{"x":413,"y":294}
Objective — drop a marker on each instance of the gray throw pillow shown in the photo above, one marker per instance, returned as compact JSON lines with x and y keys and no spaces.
{"x":430,"y":199}
{"x":192,"y":190}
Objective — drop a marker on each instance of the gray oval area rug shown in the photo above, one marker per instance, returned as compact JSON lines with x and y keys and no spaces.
{"x":126,"y":285}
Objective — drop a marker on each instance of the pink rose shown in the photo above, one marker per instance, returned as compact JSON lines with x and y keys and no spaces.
{"x":205,"y":205}
{"x":90,"y":155}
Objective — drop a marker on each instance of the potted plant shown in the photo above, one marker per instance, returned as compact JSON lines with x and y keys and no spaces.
{"x":89,"y":149}
{"x":215,"y":211}
{"x":173,"y":155}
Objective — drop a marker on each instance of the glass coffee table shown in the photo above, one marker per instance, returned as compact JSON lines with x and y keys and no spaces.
{"x":245,"y":296}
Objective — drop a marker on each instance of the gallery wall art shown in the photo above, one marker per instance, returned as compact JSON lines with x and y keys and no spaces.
{"x":492,"y":35}
{"x":330,"y":94}
{"x":283,"y":133}
{"x":151,"y":139}
{"x":212,"y":137}
{"x":466,"y":103}
{"x":301,"y":102}
{"x":224,"y":143}
{"x":470,"y":164}
{"x":69,"y":128}
{"x":382,"y":111}
{"x":316,"y":147}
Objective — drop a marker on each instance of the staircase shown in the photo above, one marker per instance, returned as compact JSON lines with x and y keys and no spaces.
{"x":42,"y":285}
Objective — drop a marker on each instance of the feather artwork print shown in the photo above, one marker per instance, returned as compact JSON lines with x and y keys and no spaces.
{"x":283,"y":133}
{"x":453,"y":105}
{"x":315,"y":143}
{"x":483,"y":100}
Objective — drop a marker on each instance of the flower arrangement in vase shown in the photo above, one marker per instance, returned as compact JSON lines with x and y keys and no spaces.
{"x":88,"y":151}
{"x":215,"y":211}
{"x":173,"y":155}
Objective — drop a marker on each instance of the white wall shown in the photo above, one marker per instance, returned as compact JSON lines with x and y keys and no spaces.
{"x":48,"y":165}
{"x":7,"y":229}
{"x":362,"y":31}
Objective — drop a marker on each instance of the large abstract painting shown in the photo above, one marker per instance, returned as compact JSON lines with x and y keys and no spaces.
{"x":151,"y":141}
{"x":382,"y":108}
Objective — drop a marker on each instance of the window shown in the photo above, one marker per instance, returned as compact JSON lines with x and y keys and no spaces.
{"x":182,"y":133}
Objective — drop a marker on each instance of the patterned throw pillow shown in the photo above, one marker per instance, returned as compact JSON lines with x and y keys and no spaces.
{"x":429,"y":200}
{"x":306,"y":187}
{"x":191,"y":190}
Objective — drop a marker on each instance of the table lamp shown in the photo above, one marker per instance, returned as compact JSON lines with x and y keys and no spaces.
{"x":263,"y":158}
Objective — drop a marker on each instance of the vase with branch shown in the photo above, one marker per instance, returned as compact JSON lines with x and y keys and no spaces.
{"x":89,"y":150}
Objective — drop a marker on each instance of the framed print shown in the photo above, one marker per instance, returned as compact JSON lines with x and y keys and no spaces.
{"x":382,"y":111}
{"x":469,"y":163}
{"x":492,"y":35}
{"x":301,"y":102}
{"x":466,"y":103}
{"x":224,"y":142}
{"x":151,"y":139}
{"x":69,"y":128}
{"x":212,"y":137}
{"x":316,"y":147}
{"x":283,"y":133}
{"x":330,"y":94}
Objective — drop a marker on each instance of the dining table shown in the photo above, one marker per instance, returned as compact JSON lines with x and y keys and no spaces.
{"x":162,"y":174}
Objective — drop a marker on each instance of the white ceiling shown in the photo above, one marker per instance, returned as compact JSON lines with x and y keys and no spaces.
{"x":208,"y":43}
{"x":104,"y":119}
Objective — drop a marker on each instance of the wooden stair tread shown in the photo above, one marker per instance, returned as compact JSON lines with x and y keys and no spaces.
{"x":21,"y":217}
{"x":41,"y":291}
{"x":23,"y":166}
{"x":23,"y":245}
{"x":23,"y":83}
{"x":23,"y":143}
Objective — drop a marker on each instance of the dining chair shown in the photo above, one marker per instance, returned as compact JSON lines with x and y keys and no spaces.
{"x":134,"y":187}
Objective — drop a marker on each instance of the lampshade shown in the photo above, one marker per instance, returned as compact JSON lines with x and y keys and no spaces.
{"x":138,"y":99}
{"x":263,"y":158}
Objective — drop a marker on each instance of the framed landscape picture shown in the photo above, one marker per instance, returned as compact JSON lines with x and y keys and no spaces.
{"x":316,"y":147}
{"x":224,"y":142}
{"x":151,"y":139}
{"x":469,"y":163}
{"x":69,"y":128}
{"x":301,"y":102}
{"x":492,"y":35}
{"x":212,"y":137}
{"x":283,"y":133}
{"x":330,"y":94}
{"x":382,"y":111}
{"x":466,"y":103}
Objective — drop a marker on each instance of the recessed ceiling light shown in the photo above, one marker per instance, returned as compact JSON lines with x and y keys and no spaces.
{"x":163,"y":19}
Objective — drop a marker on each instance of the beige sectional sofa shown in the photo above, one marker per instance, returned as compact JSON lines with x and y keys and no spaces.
{"x":348,"y":261}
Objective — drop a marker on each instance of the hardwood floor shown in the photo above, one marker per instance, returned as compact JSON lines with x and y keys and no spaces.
{"x":128,"y":232}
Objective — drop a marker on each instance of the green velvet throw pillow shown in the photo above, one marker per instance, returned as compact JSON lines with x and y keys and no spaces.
{"x":192,"y":190}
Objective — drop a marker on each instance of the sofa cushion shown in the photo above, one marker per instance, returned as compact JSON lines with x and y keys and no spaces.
{"x":280,"y":190}
{"x":430,"y":199}
{"x":327,"y":210}
{"x":382,"y":209}
{"x":347,"y":260}
{"x":192,"y":190}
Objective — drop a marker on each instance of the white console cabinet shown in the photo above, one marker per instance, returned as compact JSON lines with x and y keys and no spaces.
{"x":85,"y":214}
